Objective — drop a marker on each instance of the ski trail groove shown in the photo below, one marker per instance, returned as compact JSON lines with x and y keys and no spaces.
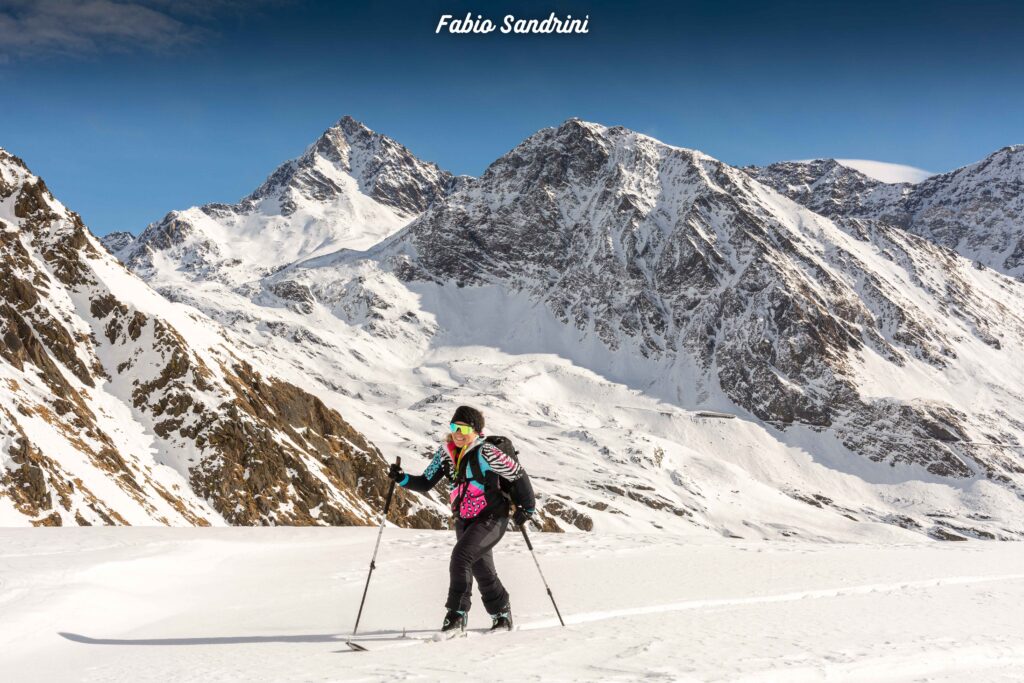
{"x":587,"y":617}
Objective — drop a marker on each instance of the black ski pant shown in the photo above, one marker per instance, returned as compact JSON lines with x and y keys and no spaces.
{"x":472,"y":557}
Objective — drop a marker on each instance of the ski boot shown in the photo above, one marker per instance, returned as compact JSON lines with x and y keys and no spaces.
{"x":502,"y":621}
{"x":455,"y":620}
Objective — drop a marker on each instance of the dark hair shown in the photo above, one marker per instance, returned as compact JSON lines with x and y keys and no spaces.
{"x":470,"y":416}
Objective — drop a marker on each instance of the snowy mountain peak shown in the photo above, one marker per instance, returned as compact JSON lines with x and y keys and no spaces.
{"x":814,"y":172}
{"x":570,"y":133}
{"x":26,"y":205}
{"x":862,"y":170}
{"x":348,"y":123}
{"x":1006,"y":163}
{"x":575,"y":123}
{"x":383,"y":169}
{"x":350,"y":189}
{"x":827,"y":165}
{"x":14,"y":175}
{"x":8,"y":159}
{"x":829,"y":187}
{"x":577,"y":130}
{"x":1008,"y":150}
{"x":578,"y":151}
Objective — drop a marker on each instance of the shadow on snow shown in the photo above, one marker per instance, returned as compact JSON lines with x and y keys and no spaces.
{"x":241,"y":640}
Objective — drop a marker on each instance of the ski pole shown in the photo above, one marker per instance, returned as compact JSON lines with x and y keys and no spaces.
{"x":522,"y":527}
{"x":373,"y":561}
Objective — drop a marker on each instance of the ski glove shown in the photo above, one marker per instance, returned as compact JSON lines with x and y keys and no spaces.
{"x":395,"y":472}
{"x":522,"y":516}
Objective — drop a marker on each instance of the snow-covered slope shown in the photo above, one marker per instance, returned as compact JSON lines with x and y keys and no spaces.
{"x":351,"y":188}
{"x":118,"y":407}
{"x":977,"y":210}
{"x":278,"y":604}
{"x":596,"y":291}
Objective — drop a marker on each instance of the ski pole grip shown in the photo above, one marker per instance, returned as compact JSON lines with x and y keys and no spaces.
{"x":391,"y":489}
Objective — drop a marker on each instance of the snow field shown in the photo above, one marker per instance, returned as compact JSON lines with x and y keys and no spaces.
{"x":163,"y":604}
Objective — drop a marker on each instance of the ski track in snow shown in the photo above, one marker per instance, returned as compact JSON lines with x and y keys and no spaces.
{"x":278,"y":604}
{"x":590,"y":617}
{"x":786,"y":597}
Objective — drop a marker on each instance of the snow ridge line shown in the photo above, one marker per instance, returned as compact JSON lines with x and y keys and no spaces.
{"x":588,"y":617}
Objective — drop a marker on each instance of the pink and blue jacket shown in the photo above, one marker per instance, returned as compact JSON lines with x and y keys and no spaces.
{"x":475,"y":478}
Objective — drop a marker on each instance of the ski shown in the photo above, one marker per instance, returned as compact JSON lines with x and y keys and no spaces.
{"x":450,"y":635}
{"x":373,"y":644}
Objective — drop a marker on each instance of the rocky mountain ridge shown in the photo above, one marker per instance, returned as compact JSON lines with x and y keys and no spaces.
{"x":119,"y":407}
{"x":977,"y":211}
{"x":708,"y":290}
{"x":631,"y":239}
{"x":601,"y":294}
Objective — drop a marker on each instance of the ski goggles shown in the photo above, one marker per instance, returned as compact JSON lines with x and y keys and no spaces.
{"x":461,"y":429}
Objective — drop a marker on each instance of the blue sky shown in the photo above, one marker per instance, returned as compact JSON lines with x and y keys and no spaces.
{"x":131,"y":109}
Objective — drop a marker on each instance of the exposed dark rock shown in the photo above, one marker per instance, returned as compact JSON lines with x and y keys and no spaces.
{"x":580,"y":520}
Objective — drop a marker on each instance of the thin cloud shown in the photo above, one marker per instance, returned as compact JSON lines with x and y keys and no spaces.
{"x":34,"y":28}
{"x":211,"y":9}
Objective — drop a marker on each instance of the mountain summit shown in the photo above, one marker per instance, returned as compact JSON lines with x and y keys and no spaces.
{"x":351,"y":188}
{"x":384,"y":171}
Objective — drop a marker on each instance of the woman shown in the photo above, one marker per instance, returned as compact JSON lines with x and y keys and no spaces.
{"x":475,"y":468}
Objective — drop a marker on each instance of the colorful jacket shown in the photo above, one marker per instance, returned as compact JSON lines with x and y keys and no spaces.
{"x":476,"y":488}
